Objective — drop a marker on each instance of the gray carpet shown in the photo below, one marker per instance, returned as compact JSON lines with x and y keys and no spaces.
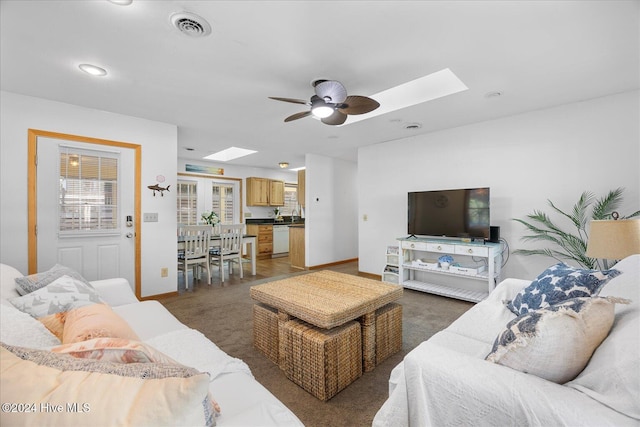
{"x":224,"y":315}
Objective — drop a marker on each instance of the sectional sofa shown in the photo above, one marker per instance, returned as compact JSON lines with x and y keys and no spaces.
{"x":570,"y":357}
{"x":105,"y":358}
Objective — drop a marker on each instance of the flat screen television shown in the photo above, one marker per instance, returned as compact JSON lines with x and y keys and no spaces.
{"x":460,"y":213}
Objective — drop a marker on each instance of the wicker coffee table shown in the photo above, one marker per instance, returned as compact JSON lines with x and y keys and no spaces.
{"x":329,"y":299}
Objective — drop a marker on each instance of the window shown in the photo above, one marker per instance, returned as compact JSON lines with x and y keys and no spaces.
{"x":222,"y":202}
{"x":88,"y":191}
{"x":290,"y":199}
{"x":198,"y":194}
{"x":187,"y":202}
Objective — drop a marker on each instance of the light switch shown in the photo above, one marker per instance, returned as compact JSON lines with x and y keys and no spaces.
{"x":150,"y":217}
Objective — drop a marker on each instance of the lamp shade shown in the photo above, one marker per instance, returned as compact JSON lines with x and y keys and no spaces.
{"x":611,"y":239}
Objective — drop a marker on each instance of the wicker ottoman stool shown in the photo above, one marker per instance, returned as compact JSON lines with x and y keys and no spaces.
{"x":321,"y":361}
{"x":265,"y":331}
{"x":388,"y":331}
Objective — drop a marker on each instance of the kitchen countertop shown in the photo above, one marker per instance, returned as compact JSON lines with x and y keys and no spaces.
{"x":270,"y":221}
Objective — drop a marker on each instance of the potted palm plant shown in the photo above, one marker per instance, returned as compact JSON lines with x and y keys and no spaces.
{"x":571,"y":245}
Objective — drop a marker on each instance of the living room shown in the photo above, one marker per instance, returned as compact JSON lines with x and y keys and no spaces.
{"x":526,"y":149}
{"x":589,"y":142}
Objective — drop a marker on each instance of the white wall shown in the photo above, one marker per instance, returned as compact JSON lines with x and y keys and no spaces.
{"x":553,"y":154}
{"x":331,"y":212}
{"x":159,"y":152}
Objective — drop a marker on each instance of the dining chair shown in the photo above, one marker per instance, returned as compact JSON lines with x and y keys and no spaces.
{"x":196,"y":239}
{"x":230,"y":249}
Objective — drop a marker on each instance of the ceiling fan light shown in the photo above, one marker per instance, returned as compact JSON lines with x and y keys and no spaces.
{"x":322,"y":111}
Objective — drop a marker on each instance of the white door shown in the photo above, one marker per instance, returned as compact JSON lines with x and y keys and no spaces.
{"x":85,"y":208}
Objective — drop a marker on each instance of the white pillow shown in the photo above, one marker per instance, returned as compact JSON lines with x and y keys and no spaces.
{"x":8,"y":276}
{"x":613,"y":373}
{"x":555,"y":343}
{"x":57,"y":297}
{"x":21,"y":329}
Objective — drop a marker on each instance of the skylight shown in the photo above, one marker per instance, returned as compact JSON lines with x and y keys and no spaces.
{"x":229,"y":154}
{"x":423,"y":89}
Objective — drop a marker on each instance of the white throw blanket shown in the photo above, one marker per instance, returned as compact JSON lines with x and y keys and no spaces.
{"x":192,"y":348}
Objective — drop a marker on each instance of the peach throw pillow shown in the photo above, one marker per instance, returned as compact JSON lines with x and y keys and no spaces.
{"x":95,"y":321}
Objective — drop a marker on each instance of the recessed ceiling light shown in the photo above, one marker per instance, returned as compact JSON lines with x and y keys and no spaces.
{"x":423,"y":89}
{"x":493,"y":94}
{"x":283,"y":165}
{"x":93,"y":70}
{"x":229,"y":154}
{"x":189,"y":149}
{"x":122,"y":2}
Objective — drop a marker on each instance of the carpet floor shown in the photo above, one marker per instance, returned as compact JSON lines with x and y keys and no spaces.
{"x":224,"y":315}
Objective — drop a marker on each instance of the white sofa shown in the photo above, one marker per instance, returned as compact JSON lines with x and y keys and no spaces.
{"x":243,"y":401}
{"x":446,"y":380}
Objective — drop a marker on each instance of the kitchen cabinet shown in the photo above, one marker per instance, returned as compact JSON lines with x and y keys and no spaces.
{"x":264,"y":192}
{"x":296,"y":246}
{"x":301,"y":187}
{"x":264,"y":233}
{"x":276,"y":193}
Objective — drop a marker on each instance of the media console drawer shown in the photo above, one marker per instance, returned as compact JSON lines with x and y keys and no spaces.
{"x":472,"y":250}
{"x":416,"y":246}
{"x":440,"y":247}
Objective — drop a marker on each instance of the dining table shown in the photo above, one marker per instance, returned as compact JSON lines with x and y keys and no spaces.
{"x":247,"y":239}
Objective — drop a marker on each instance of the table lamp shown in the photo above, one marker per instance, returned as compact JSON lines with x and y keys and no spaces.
{"x":614,"y":239}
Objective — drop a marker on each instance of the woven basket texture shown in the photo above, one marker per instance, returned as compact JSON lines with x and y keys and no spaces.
{"x":265,"y":331}
{"x":388,"y":331}
{"x":322,"y":362}
{"x":326,"y":298}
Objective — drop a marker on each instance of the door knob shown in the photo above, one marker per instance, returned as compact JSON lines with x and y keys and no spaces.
{"x":129,"y":235}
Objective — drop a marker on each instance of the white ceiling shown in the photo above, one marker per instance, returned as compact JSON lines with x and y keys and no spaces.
{"x":215,"y":89}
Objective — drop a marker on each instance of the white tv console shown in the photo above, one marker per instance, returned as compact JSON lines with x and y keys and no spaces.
{"x":472,"y":276}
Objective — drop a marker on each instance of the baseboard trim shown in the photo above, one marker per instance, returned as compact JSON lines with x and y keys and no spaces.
{"x":370,"y":275}
{"x":160,"y":296}
{"x":331,"y":264}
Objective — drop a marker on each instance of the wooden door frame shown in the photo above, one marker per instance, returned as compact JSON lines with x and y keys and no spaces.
{"x":32,"y":193}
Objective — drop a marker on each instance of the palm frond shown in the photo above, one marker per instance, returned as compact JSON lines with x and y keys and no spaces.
{"x":633,"y":215}
{"x":566,"y":245}
{"x":607,"y":204}
{"x":578,"y":214}
{"x":543,"y":219}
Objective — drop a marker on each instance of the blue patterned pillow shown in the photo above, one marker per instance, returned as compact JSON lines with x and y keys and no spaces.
{"x":559,"y":283}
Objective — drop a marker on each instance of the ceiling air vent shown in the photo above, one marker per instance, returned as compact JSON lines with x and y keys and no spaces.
{"x":191,"y":24}
{"x":412,"y":126}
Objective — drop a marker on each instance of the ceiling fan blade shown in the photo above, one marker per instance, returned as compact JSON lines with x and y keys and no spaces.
{"x":337,"y":118}
{"x":295,"y":101}
{"x":358,"y":105}
{"x":297,"y":116}
{"x":331,"y":89}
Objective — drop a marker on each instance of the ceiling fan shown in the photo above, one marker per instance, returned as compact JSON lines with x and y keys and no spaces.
{"x":331,"y":104}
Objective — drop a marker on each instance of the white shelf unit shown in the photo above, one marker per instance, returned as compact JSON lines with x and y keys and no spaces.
{"x":391,"y":271}
{"x":476,"y":277}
